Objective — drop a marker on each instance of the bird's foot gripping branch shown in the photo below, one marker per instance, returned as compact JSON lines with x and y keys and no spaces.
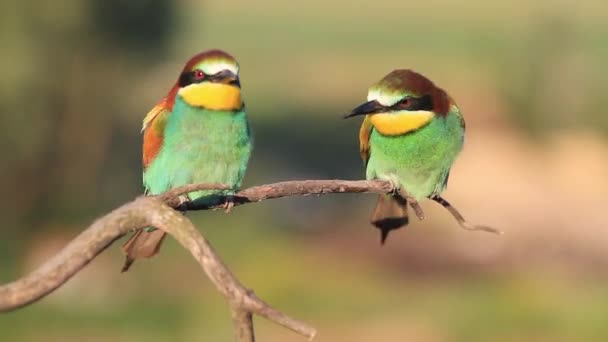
{"x":160,"y":212}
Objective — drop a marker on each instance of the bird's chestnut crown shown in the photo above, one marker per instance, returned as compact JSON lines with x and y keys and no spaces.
{"x":215,"y":66}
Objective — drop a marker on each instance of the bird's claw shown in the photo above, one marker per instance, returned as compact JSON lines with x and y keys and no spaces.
{"x":413,"y":203}
{"x":228,"y":204}
{"x":183,"y":202}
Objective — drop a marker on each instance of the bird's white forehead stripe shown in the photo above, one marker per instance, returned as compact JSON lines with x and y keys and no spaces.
{"x":213,"y":67}
{"x":385,"y":99}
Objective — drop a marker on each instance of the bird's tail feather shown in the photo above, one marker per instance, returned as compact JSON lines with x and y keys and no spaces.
{"x":390,"y":214}
{"x":143,"y":244}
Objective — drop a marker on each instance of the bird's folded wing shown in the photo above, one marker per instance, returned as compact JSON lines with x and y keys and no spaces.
{"x":364,"y":135}
{"x":153,"y":129}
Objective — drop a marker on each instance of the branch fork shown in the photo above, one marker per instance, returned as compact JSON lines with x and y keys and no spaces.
{"x":161,"y":212}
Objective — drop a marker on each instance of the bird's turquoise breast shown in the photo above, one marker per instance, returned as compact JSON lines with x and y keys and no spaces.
{"x":418,"y":161}
{"x":201,"y":146}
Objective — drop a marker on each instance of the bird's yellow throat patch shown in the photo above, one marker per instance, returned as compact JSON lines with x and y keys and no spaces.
{"x":400,"y":122}
{"x":215,"y":96}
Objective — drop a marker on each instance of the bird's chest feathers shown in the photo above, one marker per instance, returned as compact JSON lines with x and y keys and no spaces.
{"x":214,"y":96}
{"x":200,"y":146}
{"x":419,"y":160}
{"x":399,"y":123}
{"x":200,"y":131}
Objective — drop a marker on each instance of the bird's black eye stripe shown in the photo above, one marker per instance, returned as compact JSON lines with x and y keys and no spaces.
{"x":188,"y":78}
{"x":415,"y":103}
{"x":184,"y":80}
{"x":236,"y":83}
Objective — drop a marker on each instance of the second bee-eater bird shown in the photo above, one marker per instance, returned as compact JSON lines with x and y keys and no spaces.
{"x":412,"y":133}
{"x":198,"y":133}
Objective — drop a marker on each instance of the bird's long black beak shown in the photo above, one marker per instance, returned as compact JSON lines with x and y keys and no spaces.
{"x":225,"y":77}
{"x":369,"y":107}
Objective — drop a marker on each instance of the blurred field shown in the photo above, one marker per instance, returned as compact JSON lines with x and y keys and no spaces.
{"x":78,"y":77}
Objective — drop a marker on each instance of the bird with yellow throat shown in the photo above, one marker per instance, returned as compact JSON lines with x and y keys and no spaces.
{"x":198,"y":133}
{"x":411,"y":135}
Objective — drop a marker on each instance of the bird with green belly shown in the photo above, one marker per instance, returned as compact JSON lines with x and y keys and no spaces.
{"x":198,"y":133}
{"x":411,"y":135}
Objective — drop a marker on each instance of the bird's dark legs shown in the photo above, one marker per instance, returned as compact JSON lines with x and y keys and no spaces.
{"x":228,"y":203}
{"x":184,"y":201}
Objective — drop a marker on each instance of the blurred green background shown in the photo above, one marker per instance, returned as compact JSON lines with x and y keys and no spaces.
{"x":530,"y":77}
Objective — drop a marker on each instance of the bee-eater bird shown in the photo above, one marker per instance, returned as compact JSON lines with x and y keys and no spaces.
{"x":198,"y":133}
{"x":412,"y":133}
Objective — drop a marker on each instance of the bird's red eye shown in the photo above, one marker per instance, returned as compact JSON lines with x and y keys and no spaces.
{"x":199,"y":75}
{"x":405,"y":102}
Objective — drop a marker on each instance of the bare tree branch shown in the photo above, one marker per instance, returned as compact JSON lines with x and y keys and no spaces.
{"x":158,"y":212}
{"x":77,"y":254}
{"x":151,"y":211}
{"x":243,"y":325}
{"x":281,"y":189}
